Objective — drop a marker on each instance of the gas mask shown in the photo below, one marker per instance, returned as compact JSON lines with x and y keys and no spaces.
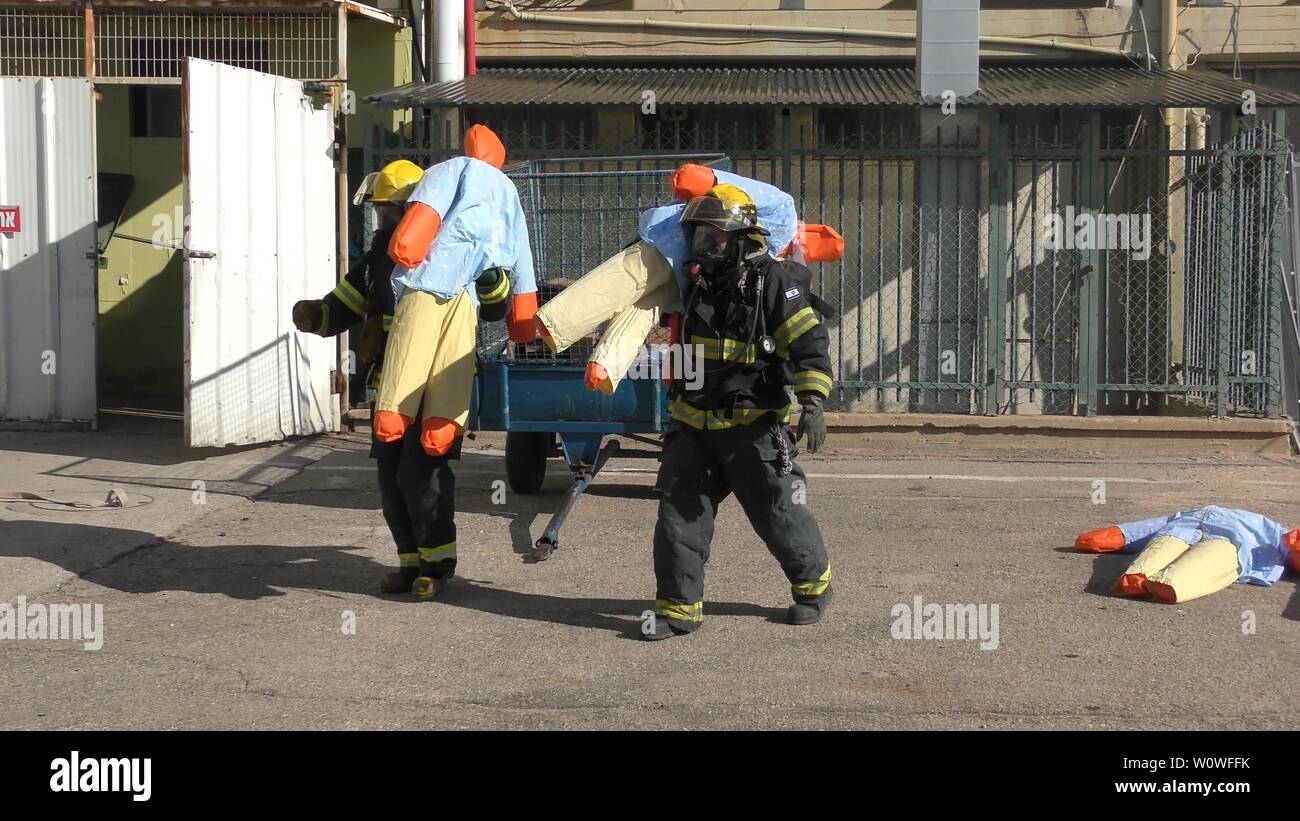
{"x":714,"y":251}
{"x":389,"y":215}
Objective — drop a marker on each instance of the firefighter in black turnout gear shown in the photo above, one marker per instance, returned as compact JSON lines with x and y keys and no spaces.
{"x":417,"y":490}
{"x":757,"y":328}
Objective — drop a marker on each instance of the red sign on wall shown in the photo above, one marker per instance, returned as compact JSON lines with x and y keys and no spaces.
{"x":10,"y":219}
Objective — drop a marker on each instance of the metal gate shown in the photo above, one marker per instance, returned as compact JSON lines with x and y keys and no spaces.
{"x":47,"y":250}
{"x":259,"y":217}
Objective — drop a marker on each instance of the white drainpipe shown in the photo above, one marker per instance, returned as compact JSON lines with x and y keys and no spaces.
{"x":448,"y":41}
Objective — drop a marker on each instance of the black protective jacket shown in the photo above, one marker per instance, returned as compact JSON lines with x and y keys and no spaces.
{"x":366,"y":293}
{"x":755,"y":338}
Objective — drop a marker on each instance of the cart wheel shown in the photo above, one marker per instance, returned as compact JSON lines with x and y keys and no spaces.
{"x":526,"y":460}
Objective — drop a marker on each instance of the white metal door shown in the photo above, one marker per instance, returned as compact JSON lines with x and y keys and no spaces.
{"x":47,"y":250}
{"x":260,"y":217}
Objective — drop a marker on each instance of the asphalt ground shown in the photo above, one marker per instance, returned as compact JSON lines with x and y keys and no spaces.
{"x":262,"y":611}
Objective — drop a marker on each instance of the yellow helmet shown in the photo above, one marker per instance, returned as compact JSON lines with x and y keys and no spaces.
{"x":390,"y":185}
{"x":727,"y":207}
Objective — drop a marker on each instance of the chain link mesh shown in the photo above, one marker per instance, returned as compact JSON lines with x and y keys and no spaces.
{"x":1121,"y":272}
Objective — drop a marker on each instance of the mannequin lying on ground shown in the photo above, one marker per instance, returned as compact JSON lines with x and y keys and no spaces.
{"x":1197,"y":552}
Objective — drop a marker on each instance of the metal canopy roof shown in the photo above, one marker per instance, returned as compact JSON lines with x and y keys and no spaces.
{"x":1079,"y":86}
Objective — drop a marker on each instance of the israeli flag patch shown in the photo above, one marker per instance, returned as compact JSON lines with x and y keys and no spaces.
{"x":792,"y":294}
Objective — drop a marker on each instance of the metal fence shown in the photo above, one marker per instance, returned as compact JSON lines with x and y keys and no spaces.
{"x":150,"y":45}
{"x":1086,"y":267}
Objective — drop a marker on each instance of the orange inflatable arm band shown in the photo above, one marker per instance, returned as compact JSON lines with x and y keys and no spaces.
{"x":522,"y":321}
{"x":820,"y":243}
{"x":1102,"y":540}
{"x":414,"y":235}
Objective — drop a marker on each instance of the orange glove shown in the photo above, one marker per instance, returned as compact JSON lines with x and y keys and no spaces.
{"x":594,"y":376}
{"x":437,"y":435}
{"x":1102,"y":540}
{"x":1291,"y":542}
{"x":522,"y":321}
{"x":692,"y":180}
{"x":414,"y":235}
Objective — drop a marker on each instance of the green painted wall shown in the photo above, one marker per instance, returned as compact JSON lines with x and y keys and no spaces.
{"x":140,"y":344}
{"x":379,"y":58}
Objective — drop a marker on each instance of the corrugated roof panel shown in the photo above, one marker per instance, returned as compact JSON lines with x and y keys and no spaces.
{"x":1075,"y":86}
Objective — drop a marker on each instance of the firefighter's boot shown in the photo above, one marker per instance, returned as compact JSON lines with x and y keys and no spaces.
{"x":810,"y":611}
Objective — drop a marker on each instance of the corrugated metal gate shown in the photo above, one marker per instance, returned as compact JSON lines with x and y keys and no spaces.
{"x":259,"y":217}
{"x":1158,"y":282}
{"x":47,"y":250}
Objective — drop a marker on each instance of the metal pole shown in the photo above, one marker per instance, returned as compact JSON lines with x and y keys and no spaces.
{"x":1223,"y":278}
{"x":90,"y":41}
{"x":995,"y":292}
{"x":341,"y":382}
{"x":1276,"y":298}
{"x":1094,"y":202}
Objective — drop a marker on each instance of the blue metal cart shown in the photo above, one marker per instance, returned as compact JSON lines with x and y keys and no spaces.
{"x":576,"y":219}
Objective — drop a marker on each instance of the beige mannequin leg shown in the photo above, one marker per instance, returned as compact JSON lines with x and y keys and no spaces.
{"x":412,"y":343}
{"x":1160,"y":552}
{"x":603,"y":292}
{"x":450,"y":379}
{"x":1208,"y":567}
{"x":624,"y":340}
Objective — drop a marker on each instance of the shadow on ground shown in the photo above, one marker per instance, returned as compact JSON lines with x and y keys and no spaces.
{"x":252,"y":572}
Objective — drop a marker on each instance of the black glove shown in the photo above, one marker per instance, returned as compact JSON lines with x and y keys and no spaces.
{"x":493,"y":286}
{"x":307,"y":315}
{"x":812,"y":422}
{"x":372,"y":338}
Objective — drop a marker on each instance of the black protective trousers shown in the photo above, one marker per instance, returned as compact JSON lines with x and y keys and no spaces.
{"x":418,"y":493}
{"x":699,"y":470}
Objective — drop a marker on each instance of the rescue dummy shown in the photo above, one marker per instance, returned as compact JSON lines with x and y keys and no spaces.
{"x":463,"y":223}
{"x":1196,"y":552}
{"x":639,"y":284}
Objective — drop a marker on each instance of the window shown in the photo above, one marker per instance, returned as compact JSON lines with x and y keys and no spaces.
{"x":156,"y":111}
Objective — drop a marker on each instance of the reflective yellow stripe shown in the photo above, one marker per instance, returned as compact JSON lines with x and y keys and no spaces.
{"x":688,"y":414}
{"x":500,"y":292}
{"x":324,"y":319}
{"x":388,"y":322}
{"x":796,"y":326}
{"x":351,"y":298}
{"x":815,"y":381}
{"x":438,"y":554}
{"x":680,"y":612}
{"x":730,"y":350}
{"x":408,"y":559}
{"x":816,"y":587}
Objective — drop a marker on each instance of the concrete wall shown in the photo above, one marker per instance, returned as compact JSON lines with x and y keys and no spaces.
{"x":1266,"y":29}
